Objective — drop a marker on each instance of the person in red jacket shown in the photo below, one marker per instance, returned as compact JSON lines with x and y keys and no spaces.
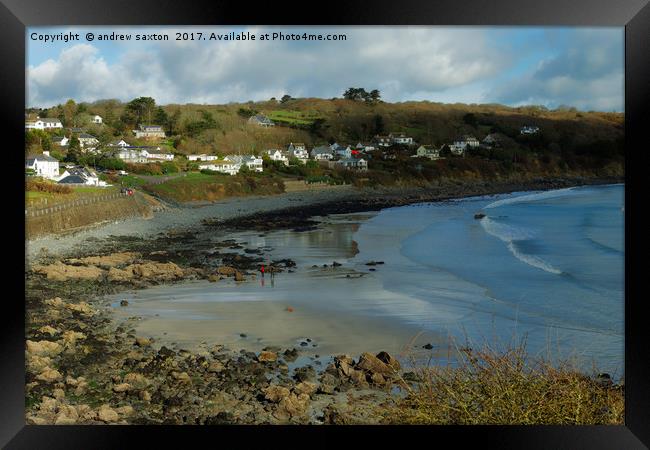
{"x":262,"y":270}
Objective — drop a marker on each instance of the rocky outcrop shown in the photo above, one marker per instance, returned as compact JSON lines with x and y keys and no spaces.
{"x":107,"y":261}
{"x":59,"y":271}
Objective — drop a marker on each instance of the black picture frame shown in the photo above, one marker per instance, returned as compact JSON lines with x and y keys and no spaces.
{"x":16,"y":15}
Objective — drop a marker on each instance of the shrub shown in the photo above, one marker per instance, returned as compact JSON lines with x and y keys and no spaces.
{"x":44,"y":186}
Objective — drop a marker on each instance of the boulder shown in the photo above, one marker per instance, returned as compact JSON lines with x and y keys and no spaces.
{"x":49,"y":375}
{"x":275,"y":393}
{"x":122,"y":387}
{"x":142,"y":341}
{"x":48,"y":330}
{"x":43,"y":348}
{"x":267,"y":356}
{"x":305,"y":387}
{"x":107,"y":261}
{"x":59,"y":271}
{"x":120,"y":275}
{"x":216,"y":367}
{"x":292,"y":406}
{"x":107,"y":414}
{"x":81,"y":307}
{"x":157,"y":271}
{"x":372,"y":364}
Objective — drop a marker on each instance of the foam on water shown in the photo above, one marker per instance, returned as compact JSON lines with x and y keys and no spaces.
{"x":530,"y":197}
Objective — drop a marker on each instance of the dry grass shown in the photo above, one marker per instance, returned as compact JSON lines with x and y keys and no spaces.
{"x":44,"y":186}
{"x":491,"y":387}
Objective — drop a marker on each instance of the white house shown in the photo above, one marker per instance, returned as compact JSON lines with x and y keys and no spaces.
{"x":528,"y":129}
{"x":427,"y":151}
{"x":492,"y":140}
{"x":352,"y":163}
{"x":364,"y":147}
{"x":298,"y":151}
{"x":43,"y":165}
{"x":322,"y":153}
{"x":61,"y":141}
{"x":87,"y":140}
{"x":254,"y":163}
{"x":150,"y":132}
{"x":223,"y":166}
{"x":81,"y":175}
{"x":400,"y":138}
{"x":459,"y":146}
{"x":120,"y":143}
{"x":97,"y":119}
{"x":155,"y":153}
{"x":131,"y":154}
{"x":343,"y":152}
{"x":277,"y":155}
{"x":261,"y":121}
{"x":202,"y":157}
{"x":43,"y":124}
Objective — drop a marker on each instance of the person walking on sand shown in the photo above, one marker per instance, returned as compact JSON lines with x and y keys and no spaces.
{"x":262,"y":270}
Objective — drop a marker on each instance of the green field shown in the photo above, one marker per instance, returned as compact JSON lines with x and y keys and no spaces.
{"x":292,"y":117}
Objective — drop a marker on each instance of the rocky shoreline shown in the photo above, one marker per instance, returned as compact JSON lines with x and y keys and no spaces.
{"x":83,"y":368}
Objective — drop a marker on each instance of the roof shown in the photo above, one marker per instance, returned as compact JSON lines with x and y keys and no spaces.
{"x":156,"y":151}
{"x":322,"y":149}
{"x":49,"y":119}
{"x":73,"y":179}
{"x":30,"y":159}
{"x":86,"y":136}
{"x":58,"y":138}
{"x":150,"y":127}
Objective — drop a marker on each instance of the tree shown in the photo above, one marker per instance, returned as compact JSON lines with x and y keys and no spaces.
{"x":140,"y":110}
{"x":69,"y":111}
{"x":285,"y":98}
{"x":162,"y":118}
{"x":379,"y":124}
{"x":174,"y":121}
{"x":374,"y":97}
{"x":74,"y":150}
{"x":470,"y":119}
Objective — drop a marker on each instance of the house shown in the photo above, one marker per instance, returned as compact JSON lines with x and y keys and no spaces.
{"x":527,"y":129}
{"x":277,"y":155}
{"x":150,"y":132}
{"x":87,"y":140}
{"x":352,"y":163}
{"x":202,"y":157}
{"x":364,"y":147}
{"x":81,"y":175}
{"x":400,"y":138}
{"x":43,"y":124}
{"x":427,"y":151}
{"x":254,"y":163}
{"x":457,"y":149}
{"x":97,"y":119}
{"x":383,"y":141}
{"x":156,"y":154}
{"x":131,"y":154}
{"x":43,"y":165}
{"x":120,"y":143}
{"x":492,"y":140}
{"x":462,"y":143}
{"x":61,"y":141}
{"x":298,"y":151}
{"x":342,"y":152}
{"x":77,"y":130}
{"x":223,"y":166}
{"x":322,"y":153}
{"x":261,"y":121}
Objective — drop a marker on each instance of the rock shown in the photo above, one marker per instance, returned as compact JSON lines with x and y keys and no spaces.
{"x":328,"y":384}
{"x":275,"y":393}
{"x":389,"y":361}
{"x":266,"y":356}
{"x":70,"y":338}
{"x":182,"y":377}
{"x":122,"y":387}
{"x":136,"y":380}
{"x":36,"y":363}
{"x":107,"y":414}
{"x":126,"y":410}
{"x":214,"y":278}
{"x":124,"y":303}
{"x":427,"y":346}
{"x":56,"y":302}
{"x":377,"y":378}
{"x":304,"y":344}
{"x":63,"y":272}
{"x":67,"y":415}
{"x":373,"y":364}
{"x":107,"y":261}
{"x":49,"y":375}
{"x":336,"y":264}
{"x":226,"y":270}
{"x":115,"y":274}
{"x":142,"y":341}
{"x":344,"y":368}
{"x":145,"y":396}
{"x":479,"y":215}
{"x":43,"y":348}
{"x":58,"y":393}
{"x":157,"y":271}
{"x":216,"y":367}
{"x":291,"y":355}
{"x":81,"y":307}
{"x":242,"y":335}
{"x":291,"y":406}
{"x":48,"y":330}
{"x":239,"y":276}
{"x":305,"y":387}
{"x":304,"y":373}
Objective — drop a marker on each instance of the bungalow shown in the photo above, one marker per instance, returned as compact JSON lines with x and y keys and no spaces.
{"x":120,"y":143}
{"x":97,"y":119}
{"x":427,"y":151}
{"x":87,"y":140}
{"x":322,"y":153}
{"x":43,"y":165}
{"x":81,"y":175}
{"x":61,"y":141}
{"x":528,"y":129}
{"x":261,"y":121}
{"x":277,"y":155}
{"x":457,"y":149}
{"x":131,"y":154}
{"x":254,"y":163}
{"x":364,"y":147}
{"x":156,"y":154}
{"x":400,"y":138}
{"x":352,"y":163}
{"x":43,"y":124}
{"x":202,"y":157}
{"x":383,"y":141}
{"x":223,"y":166}
{"x":150,"y":132}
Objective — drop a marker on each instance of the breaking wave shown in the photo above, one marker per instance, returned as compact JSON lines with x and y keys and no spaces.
{"x":510,"y":235}
{"x":530,"y":197}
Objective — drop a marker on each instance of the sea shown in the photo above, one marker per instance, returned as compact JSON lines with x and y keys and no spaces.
{"x":544,"y":269}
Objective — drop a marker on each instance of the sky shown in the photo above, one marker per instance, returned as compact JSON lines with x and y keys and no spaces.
{"x":553,"y":67}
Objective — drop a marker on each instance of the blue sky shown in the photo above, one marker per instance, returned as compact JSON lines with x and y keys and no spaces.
{"x":579,"y":67}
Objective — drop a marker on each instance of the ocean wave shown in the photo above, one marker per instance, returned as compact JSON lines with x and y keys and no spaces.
{"x":510,"y":235}
{"x":530,"y":197}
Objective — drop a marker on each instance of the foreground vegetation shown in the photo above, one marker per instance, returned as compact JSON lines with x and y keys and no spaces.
{"x":490,"y":387}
